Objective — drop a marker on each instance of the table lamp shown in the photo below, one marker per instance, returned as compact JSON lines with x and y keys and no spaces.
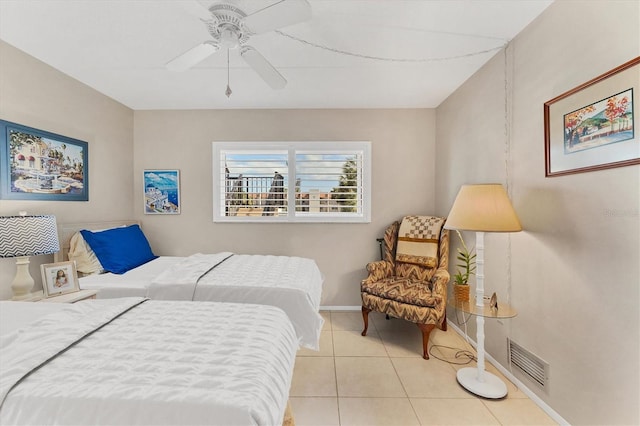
{"x":482,"y":208}
{"x":23,"y":236}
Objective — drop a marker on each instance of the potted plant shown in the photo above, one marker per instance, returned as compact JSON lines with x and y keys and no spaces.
{"x":466,"y":267}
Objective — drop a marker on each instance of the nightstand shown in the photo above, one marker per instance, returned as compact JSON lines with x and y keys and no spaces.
{"x":74,"y":297}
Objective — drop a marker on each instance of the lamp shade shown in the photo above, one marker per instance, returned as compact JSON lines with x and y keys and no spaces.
{"x":483,"y":208}
{"x":28,"y":236}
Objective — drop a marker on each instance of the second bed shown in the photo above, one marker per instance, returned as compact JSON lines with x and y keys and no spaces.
{"x":291,"y":283}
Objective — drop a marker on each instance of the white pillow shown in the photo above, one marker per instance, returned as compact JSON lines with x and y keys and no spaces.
{"x":87,"y":262}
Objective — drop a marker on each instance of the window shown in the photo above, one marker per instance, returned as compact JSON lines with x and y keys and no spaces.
{"x":291,"y":181}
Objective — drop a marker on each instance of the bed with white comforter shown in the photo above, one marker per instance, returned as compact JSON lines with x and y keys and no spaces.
{"x":291,"y":283}
{"x":133,"y":361}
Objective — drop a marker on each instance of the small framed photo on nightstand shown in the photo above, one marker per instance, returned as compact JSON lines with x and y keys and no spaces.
{"x":59,"y":278}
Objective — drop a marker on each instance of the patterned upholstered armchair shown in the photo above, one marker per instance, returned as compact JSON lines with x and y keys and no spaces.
{"x":408,"y":291}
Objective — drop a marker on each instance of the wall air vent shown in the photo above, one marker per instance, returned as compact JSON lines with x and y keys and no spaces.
{"x":531,"y":365}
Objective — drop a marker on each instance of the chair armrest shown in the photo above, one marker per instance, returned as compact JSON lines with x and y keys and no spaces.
{"x":378,"y":270}
{"x":439,"y":283}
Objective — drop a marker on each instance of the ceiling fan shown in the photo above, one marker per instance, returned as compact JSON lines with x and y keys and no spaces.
{"x":231,"y":28}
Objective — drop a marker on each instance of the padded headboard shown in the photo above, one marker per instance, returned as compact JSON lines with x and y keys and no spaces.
{"x":66,"y":231}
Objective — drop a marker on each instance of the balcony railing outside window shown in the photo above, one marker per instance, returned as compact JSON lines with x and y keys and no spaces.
{"x":255,"y":195}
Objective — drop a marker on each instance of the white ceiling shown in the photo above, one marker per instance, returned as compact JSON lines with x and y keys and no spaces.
{"x":119,"y":47}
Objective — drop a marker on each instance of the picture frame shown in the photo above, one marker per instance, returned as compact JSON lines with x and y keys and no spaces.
{"x":59,"y":278}
{"x":40,"y":165}
{"x":493,"y":302}
{"x":161,"y":191}
{"x":595,"y":125}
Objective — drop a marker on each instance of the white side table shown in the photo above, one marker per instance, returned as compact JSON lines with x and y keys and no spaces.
{"x":478,"y":380}
{"x":74,"y":297}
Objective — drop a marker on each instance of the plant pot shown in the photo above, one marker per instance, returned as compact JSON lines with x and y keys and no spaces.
{"x":461,"y":293}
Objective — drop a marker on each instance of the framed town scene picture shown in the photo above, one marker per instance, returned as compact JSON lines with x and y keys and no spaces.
{"x":161,"y":191}
{"x":39,"y":165}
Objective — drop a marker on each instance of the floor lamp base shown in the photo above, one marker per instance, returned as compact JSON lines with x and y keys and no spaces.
{"x":492,"y":387}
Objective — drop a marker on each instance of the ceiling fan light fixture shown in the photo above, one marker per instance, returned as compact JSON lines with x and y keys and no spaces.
{"x":229,"y":37}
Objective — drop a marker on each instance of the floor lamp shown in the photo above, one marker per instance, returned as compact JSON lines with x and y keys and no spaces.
{"x":23,"y":236}
{"x":482,"y":208}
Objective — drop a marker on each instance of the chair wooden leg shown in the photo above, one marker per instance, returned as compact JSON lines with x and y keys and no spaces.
{"x":444,"y":322}
{"x":365,"y":318}
{"x":426,"y":330}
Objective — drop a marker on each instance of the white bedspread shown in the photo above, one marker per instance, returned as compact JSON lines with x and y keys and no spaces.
{"x":159,"y":362}
{"x":179,"y":281}
{"x":293,"y":284}
{"x":13,"y":315}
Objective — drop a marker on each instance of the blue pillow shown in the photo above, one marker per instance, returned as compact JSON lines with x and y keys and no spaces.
{"x":120,"y":249}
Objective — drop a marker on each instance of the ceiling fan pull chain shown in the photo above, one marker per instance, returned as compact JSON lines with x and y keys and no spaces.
{"x":228,"y":91}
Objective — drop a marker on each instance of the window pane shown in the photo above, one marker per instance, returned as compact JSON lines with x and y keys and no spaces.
{"x":328,"y":182}
{"x":255,"y":183}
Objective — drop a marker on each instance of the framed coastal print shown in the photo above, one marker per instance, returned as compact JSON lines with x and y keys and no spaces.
{"x":59,"y":278}
{"x":40,"y":165}
{"x":595,"y":125}
{"x":161,"y":191}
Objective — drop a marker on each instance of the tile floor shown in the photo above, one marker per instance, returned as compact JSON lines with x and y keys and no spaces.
{"x":381,"y":379}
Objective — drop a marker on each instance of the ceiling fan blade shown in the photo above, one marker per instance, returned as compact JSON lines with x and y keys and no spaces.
{"x":192,"y":56}
{"x":194,"y":8}
{"x":278,"y":15}
{"x":264,"y":69}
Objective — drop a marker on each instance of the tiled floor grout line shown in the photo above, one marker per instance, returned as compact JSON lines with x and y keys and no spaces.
{"x":484,"y":403}
{"x":404,"y":388}
{"x":335,"y":369}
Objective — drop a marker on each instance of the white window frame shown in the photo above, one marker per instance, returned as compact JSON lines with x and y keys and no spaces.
{"x":339,"y":147}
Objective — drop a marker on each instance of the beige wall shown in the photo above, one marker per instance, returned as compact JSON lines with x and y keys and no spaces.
{"x":36,"y":95}
{"x":403,"y":151}
{"x":573,"y":274}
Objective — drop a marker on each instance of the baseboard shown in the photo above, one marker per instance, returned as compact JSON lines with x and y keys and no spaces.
{"x":535,"y":398}
{"x":340,"y":308}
